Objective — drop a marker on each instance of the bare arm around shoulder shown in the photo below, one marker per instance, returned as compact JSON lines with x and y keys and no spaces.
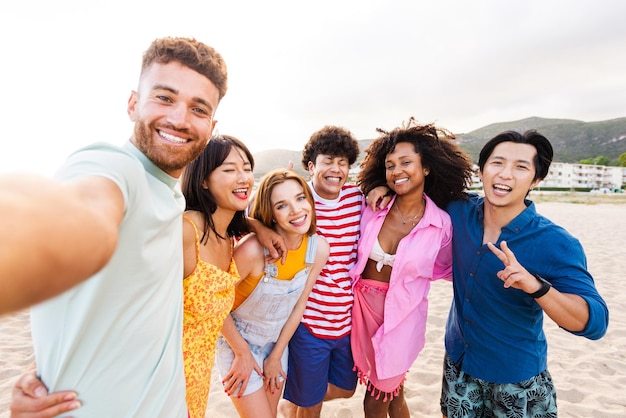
{"x":272,"y":368}
{"x":270,"y":239}
{"x":54,"y":235}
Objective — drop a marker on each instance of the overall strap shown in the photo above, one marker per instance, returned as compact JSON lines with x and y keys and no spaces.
{"x":309,"y":257}
{"x":311,"y":250}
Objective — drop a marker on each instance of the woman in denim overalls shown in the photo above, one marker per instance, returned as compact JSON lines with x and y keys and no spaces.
{"x":270,"y":299}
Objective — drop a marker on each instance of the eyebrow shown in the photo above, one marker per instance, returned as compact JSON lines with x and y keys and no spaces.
{"x":245,"y":162}
{"x":399,"y":157}
{"x":498,"y":157}
{"x":278,"y":202}
{"x":174,"y":91}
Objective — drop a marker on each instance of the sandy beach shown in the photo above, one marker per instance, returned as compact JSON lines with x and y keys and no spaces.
{"x":590,"y":376}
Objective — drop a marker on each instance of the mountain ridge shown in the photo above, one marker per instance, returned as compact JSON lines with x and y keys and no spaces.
{"x":572,"y":140}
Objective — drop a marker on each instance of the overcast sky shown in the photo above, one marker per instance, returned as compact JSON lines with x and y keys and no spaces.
{"x":68,"y":66}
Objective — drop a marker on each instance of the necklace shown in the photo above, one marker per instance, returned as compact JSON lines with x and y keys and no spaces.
{"x":413,"y":218}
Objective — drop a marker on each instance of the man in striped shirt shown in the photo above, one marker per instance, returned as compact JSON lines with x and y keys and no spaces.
{"x":320,"y":359}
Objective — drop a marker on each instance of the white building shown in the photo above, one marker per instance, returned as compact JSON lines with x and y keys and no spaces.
{"x":573,"y":176}
{"x":584,"y":176}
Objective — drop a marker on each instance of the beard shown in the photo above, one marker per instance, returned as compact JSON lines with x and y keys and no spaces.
{"x":169,"y":158}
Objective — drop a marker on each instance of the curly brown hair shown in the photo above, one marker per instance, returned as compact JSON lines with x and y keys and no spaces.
{"x":333,"y":141}
{"x":450,"y":167}
{"x":191,"y":53}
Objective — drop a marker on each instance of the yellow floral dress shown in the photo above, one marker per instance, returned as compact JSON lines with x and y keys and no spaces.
{"x":209,"y":295}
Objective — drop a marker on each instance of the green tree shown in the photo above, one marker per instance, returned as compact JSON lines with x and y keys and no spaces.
{"x":599,"y":160}
{"x":622,"y":159}
{"x":602,"y":160}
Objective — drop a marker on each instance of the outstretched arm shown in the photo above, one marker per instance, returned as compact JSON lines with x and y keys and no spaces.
{"x":54,"y":235}
{"x":569,"y":311}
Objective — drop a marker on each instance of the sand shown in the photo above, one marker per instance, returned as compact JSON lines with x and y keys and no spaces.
{"x":590,"y":376}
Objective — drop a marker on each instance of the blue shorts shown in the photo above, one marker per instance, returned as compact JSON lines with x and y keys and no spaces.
{"x":314,"y":363}
{"x":463,"y":396}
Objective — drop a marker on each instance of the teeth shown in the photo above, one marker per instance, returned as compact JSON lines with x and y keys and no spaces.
{"x":298,"y":220}
{"x":172,"y":138}
{"x":240,"y":191}
{"x":333,"y":179}
{"x":400,"y":181}
{"x":502,"y":187}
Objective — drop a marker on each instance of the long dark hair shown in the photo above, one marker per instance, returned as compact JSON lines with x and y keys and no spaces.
{"x":201,"y":199}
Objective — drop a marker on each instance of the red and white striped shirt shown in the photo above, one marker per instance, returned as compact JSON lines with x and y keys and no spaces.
{"x":328,"y":312}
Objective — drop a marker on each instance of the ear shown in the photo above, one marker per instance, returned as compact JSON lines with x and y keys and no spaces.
{"x":132,"y":106}
{"x":311,"y":167}
{"x":535,"y":183}
{"x":213,"y":123}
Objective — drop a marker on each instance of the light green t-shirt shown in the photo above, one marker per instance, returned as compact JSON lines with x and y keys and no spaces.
{"x":116,"y":338}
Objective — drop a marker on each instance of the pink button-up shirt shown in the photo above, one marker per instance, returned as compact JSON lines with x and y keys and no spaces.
{"x":424,"y":254}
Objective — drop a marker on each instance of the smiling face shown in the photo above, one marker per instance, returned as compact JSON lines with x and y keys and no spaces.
{"x":173,"y":114}
{"x":291,"y":209}
{"x":404,"y":171}
{"x":508,"y":175}
{"x":232,"y":182}
{"x":328,"y":175}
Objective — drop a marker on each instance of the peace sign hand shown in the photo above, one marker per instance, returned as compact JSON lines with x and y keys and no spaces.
{"x":513,"y":275}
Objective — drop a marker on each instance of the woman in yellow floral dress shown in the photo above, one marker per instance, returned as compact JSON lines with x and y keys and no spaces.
{"x":217,"y":186}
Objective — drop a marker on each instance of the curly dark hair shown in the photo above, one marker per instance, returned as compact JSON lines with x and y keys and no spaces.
{"x":333,"y":141}
{"x":191,"y":53}
{"x":450,"y":167}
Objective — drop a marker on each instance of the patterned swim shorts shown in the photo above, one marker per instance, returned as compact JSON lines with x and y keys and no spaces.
{"x":463,"y":396}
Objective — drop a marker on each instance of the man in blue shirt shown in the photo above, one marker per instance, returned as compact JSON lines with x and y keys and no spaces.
{"x":510,"y":266}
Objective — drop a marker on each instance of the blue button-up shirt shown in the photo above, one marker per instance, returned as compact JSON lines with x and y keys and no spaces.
{"x":494,"y":333}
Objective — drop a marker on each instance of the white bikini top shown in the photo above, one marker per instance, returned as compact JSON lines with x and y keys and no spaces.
{"x":380,"y":257}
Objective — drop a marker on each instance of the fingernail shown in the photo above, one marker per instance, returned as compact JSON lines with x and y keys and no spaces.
{"x":75,"y":405}
{"x":40,"y":392}
{"x":69,"y":396}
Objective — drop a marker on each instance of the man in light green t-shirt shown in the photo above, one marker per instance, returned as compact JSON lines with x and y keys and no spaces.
{"x":112,"y":328}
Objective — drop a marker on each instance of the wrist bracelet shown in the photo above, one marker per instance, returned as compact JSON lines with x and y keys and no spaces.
{"x":545,"y":287}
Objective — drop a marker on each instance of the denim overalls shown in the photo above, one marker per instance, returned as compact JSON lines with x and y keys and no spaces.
{"x":260,"y":318}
